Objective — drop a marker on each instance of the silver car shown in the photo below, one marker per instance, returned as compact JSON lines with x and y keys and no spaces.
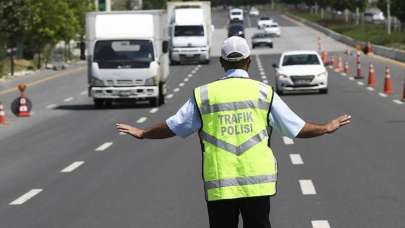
{"x":262,"y":38}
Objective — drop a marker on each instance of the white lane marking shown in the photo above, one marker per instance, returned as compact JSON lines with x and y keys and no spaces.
{"x":72,"y":167}
{"x":83,"y":92}
{"x":320,"y":224}
{"x":104,"y":146}
{"x":360,"y":83}
{"x":27,"y":196}
{"x":51,"y":106}
{"x":262,"y":73}
{"x":343,"y":74}
{"x":296,"y":159}
{"x":186,"y":79}
{"x":382,"y":94}
{"x":265,"y":81}
{"x":264,"y":77}
{"x":351,"y":78}
{"x":142,"y":119}
{"x":68,"y":99}
{"x":190,"y":75}
{"x":307,"y":187}
{"x":169,"y":96}
{"x":181,"y":84}
{"x":287,"y":140}
{"x":194,"y":71}
{"x":396,"y":101}
{"x":370,"y":88}
{"x":153,"y":110}
{"x":176,"y":90}
{"x":122,"y":133}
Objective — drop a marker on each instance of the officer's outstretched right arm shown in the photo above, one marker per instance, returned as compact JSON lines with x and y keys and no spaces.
{"x":159,"y":131}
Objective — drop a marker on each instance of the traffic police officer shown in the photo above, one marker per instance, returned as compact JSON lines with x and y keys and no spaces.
{"x":233,"y":116}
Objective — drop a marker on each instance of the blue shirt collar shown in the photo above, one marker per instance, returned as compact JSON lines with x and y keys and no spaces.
{"x":236,"y":73}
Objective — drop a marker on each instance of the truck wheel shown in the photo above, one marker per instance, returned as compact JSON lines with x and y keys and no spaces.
{"x":108,"y":103}
{"x":206,"y":61}
{"x":323,"y":91}
{"x":98,"y":103}
{"x":155,"y":102}
{"x":161,"y":95}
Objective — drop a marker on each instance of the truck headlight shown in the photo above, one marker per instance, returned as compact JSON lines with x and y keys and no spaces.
{"x":150,"y":81}
{"x":283,"y":76}
{"x":96,"y":82}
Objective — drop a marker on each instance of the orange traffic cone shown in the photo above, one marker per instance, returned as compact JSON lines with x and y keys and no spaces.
{"x":23,"y":108}
{"x":369,"y":48}
{"x":387,"y":82}
{"x":339,"y":65}
{"x":403,"y":92}
{"x":324,"y":57}
{"x":2,"y":115}
{"x":346,"y":69}
{"x":331,"y":61}
{"x":372,"y":79}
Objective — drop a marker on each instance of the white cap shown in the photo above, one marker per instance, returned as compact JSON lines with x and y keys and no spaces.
{"x":235,"y":48}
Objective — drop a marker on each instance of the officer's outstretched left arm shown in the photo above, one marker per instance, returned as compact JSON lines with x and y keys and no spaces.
{"x":159,"y":131}
{"x":313,"y":130}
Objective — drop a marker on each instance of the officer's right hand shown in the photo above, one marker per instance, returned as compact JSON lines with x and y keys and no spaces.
{"x":135,"y":132}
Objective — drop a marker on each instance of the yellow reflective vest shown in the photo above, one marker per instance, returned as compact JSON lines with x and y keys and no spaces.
{"x":237,"y":161}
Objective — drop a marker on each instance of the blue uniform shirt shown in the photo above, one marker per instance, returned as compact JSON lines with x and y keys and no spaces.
{"x":187,"y":119}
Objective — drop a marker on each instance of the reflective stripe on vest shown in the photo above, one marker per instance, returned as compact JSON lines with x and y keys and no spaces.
{"x":239,"y":181}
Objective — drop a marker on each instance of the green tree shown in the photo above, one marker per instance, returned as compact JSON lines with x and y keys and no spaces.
{"x":397,"y":8}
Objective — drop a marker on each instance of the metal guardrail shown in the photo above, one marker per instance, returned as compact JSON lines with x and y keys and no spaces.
{"x":391,"y":53}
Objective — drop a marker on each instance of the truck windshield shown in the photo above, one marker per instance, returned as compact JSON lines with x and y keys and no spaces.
{"x":189,"y":30}
{"x":123,"y":53}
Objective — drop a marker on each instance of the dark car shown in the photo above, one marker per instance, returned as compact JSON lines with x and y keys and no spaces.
{"x":236,"y":30}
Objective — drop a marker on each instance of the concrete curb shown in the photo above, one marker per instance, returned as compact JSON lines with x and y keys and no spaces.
{"x":391,"y":53}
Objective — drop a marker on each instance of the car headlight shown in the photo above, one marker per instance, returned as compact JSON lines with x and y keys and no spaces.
{"x":96,"y":82}
{"x":151,"y":81}
{"x":323,"y":74}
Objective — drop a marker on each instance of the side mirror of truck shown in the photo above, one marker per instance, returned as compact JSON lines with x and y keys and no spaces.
{"x":165,"y":46}
{"x":212,"y":28}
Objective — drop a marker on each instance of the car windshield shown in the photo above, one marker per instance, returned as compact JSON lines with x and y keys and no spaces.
{"x":265,"y":18}
{"x":123,"y":53}
{"x":302,"y":59}
{"x":262,"y":35}
{"x":236,"y":13}
{"x":274,"y":25}
{"x":189,"y":30}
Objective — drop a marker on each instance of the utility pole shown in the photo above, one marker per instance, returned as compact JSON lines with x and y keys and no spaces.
{"x":389,"y":17}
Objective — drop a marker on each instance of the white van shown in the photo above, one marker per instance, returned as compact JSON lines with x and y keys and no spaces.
{"x":236,"y":14}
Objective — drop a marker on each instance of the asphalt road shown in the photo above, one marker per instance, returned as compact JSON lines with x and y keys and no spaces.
{"x":66,"y":166}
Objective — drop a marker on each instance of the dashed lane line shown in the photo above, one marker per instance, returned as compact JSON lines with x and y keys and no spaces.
{"x":27,"y":196}
{"x":186,"y":79}
{"x":142,"y":119}
{"x":154,"y":110}
{"x":396,"y":101}
{"x":72,"y":167}
{"x":360,"y":83}
{"x":296,"y":159}
{"x":307,"y":187}
{"x":190,"y":75}
{"x":69,"y":99}
{"x":181,"y":84}
{"x":176,"y":90}
{"x":288,"y":141}
{"x":382,"y":94}
{"x":169,"y":96}
{"x":104,"y":146}
{"x":370,"y":88}
{"x":51,"y":106}
{"x":320,"y":224}
{"x":83,"y":92}
{"x":351,"y":78}
{"x":265,"y":81}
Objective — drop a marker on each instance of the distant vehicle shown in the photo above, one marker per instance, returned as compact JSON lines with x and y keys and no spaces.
{"x":264,"y":21}
{"x":236,"y":14}
{"x":374,"y":15}
{"x":273,"y":28}
{"x":236,"y":30}
{"x":58,"y":61}
{"x":262,"y":39}
{"x":254,"y":11}
{"x":190,"y":31}
{"x":301,"y":71}
{"x":127,"y":56}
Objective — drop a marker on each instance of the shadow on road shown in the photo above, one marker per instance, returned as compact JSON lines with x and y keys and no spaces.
{"x":87,"y":107}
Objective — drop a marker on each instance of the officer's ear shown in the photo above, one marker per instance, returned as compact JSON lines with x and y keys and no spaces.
{"x":248,"y":61}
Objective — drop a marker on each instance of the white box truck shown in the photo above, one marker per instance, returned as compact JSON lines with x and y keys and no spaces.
{"x":190,"y":30}
{"x":127,"y":56}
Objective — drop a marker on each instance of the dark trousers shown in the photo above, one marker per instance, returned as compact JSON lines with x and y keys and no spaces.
{"x":255,"y":212}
